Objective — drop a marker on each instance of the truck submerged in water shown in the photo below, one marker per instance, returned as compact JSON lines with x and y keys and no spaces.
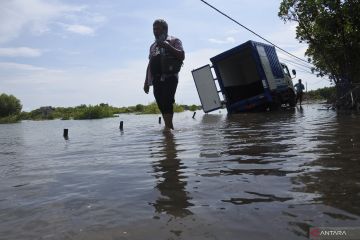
{"x":249,"y":77}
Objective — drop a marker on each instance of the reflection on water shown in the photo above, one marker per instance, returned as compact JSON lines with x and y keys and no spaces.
{"x":171,"y":182}
{"x":258,"y":176}
{"x":264,"y":198}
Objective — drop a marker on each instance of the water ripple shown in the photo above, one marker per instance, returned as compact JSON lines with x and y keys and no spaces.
{"x":287,"y":171}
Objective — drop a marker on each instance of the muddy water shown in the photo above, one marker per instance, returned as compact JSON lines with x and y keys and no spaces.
{"x":249,"y":176}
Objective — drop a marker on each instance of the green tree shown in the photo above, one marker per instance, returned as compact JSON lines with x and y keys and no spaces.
{"x":9,"y":105}
{"x":139,"y":108}
{"x":331,"y":28}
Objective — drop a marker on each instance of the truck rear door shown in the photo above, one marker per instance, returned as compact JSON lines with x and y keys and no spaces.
{"x":206,"y":87}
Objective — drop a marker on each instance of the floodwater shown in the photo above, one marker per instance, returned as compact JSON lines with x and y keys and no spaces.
{"x":249,"y":176}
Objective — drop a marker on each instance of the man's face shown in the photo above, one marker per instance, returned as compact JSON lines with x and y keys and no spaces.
{"x":158,"y":29}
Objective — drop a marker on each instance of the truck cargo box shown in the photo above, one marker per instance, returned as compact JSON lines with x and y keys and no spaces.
{"x":249,"y":76}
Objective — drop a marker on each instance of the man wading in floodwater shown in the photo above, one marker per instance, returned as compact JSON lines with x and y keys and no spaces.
{"x":299,"y":91}
{"x":165,"y":60}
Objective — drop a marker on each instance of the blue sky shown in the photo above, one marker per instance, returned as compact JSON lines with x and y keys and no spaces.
{"x":72,"y":52}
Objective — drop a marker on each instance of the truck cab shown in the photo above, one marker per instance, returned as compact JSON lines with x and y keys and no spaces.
{"x":287,"y":76}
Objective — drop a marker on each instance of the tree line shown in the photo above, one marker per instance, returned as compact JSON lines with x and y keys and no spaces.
{"x":326,"y":93}
{"x":10,"y":110}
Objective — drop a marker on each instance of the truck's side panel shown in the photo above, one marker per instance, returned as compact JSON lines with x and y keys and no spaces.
{"x":277,"y":72}
{"x":266,"y":67}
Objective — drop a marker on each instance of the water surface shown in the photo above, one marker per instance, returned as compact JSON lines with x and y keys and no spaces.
{"x":247,"y":176}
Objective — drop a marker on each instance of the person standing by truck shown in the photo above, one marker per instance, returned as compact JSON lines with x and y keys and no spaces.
{"x":165,"y":60}
{"x":299,"y":91}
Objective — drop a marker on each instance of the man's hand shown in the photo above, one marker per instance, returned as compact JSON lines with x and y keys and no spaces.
{"x":176,"y":52}
{"x":146,"y":88}
{"x":164,"y":44}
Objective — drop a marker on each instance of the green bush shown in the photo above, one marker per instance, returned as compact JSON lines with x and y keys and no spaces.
{"x":152,"y":108}
{"x":139,"y":108}
{"x":178,"y":108}
{"x":83,"y":111}
{"x":121,"y":110}
{"x":10,"y":119}
{"x":94,"y":112}
{"x":193,"y":108}
{"x":65,"y":117}
{"x":326,"y":93}
{"x":25,"y":116}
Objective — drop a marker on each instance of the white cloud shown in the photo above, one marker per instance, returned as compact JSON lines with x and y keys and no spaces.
{"x":19,"y":66}
{"x":284,"y":36}
{"x":225,"y":41}
{"x":299,"y":51}
{"x":233,"y":31}
{"x":98,"y":18}
{"x":34,"y":15}
{"x":80,"y":29}
{"x":20,"y":52}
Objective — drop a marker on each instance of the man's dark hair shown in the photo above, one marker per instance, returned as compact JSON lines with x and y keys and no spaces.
{"x":163,"y":23}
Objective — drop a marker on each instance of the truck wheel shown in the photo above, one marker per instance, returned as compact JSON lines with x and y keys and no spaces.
{"x":292,"y":98}
{"x":275,"y":104}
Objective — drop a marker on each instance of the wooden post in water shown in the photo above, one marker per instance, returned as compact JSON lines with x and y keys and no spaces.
{"x":159,"y":120}
{"x":194,"y":115}
{"x":121,"y":126}
{"x":66,"y":133}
